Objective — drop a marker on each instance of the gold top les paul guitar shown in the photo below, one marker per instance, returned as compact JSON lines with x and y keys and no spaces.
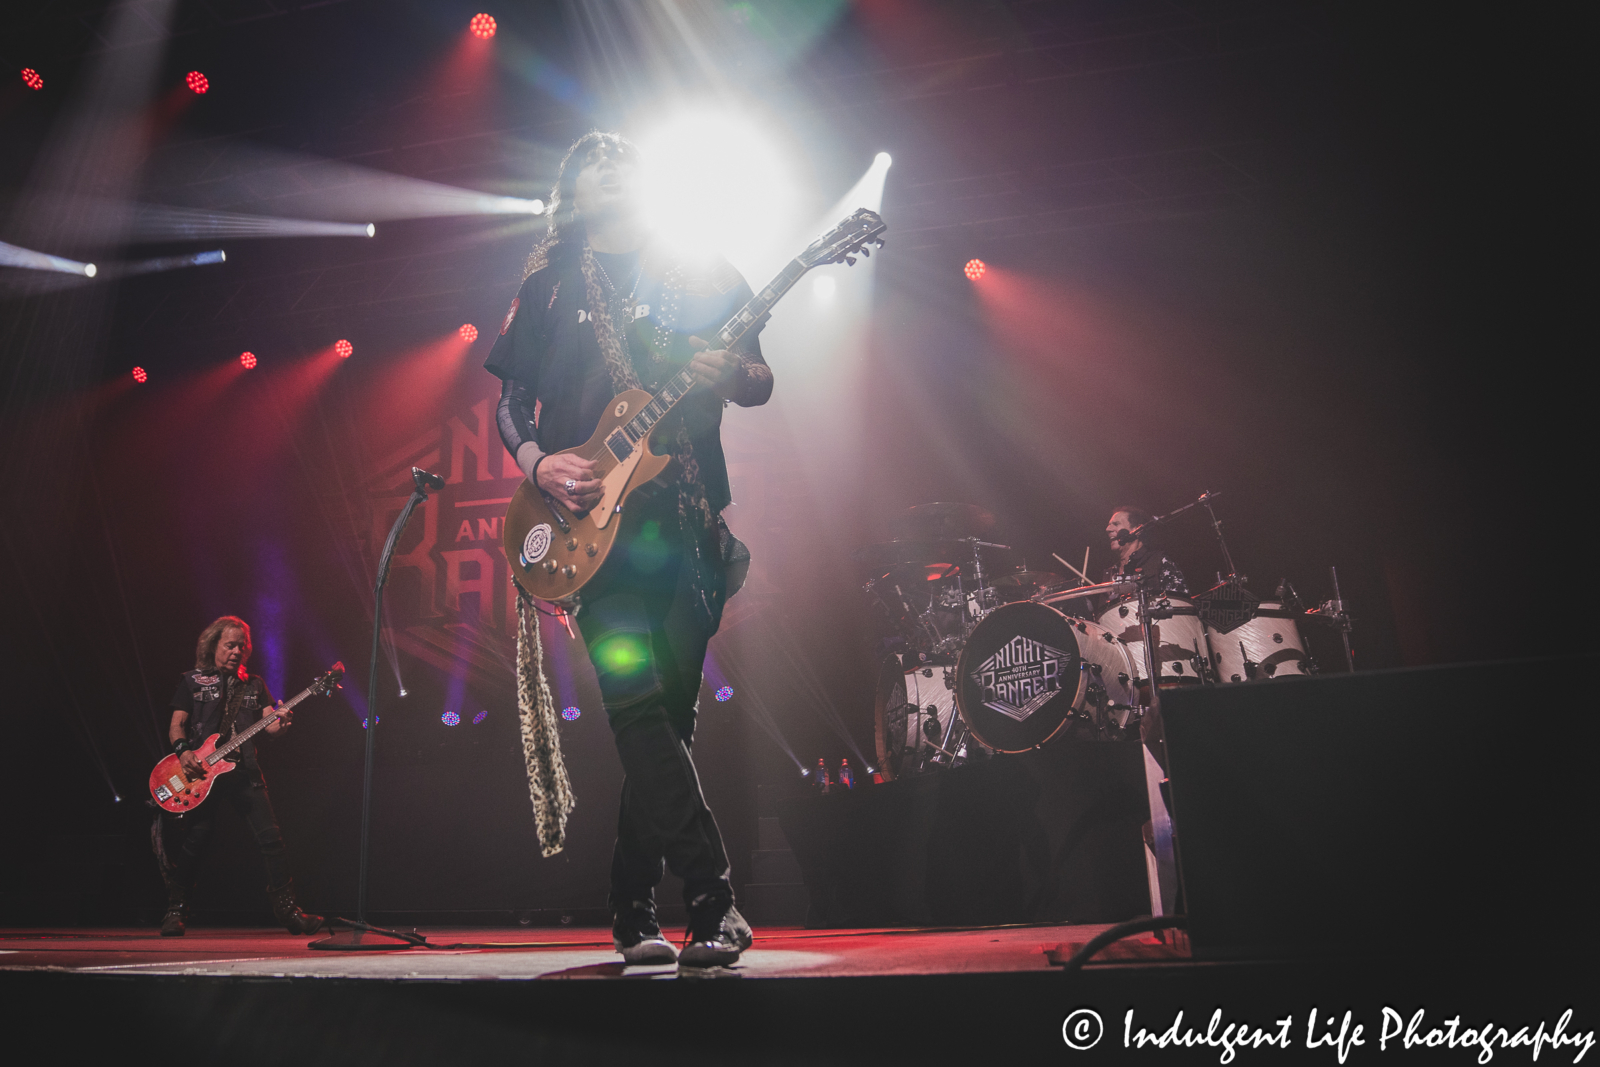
{"x":554,"y":551}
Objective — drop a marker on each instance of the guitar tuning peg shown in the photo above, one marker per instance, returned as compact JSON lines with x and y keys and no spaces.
{"x":881,"y":242}
{"x":850,"y":260}
{"x":865,"y":251}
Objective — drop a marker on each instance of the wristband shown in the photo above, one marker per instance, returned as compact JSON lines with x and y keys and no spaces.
{"x":533,"y":476}
{"x":180,"y":746}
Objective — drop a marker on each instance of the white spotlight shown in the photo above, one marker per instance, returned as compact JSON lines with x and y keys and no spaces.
{"x":90,"y":270}
{"x":737,"y":202}
{"x":882,"y":160}
{"x":372,"y":231}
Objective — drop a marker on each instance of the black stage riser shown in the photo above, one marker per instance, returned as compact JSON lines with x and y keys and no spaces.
{"x":1349,"y":812}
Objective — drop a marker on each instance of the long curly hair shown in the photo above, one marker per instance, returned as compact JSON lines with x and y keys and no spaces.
{"x":205,"y":650}
{"x":561,"y":210}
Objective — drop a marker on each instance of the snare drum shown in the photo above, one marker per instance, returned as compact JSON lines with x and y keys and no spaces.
{"x":1028,"y":671}
{"x":1268,"y":646}
{"x":1180,"y":640}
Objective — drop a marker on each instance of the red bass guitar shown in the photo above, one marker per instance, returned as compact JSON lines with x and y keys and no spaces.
{"x":171,"y":785}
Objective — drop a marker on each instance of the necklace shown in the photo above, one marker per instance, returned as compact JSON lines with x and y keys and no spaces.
{"x":637,"y":274}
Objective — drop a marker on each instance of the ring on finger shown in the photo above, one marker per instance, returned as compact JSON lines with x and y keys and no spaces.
{"x":571,"y":485}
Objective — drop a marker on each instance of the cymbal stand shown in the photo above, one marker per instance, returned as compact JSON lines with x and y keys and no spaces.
{"x":1162,"y":867}
{"x":1341,"y":618}
{"x":1216,"y":524}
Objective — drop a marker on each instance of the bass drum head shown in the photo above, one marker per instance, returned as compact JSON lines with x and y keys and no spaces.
{"x":1019,"y":676}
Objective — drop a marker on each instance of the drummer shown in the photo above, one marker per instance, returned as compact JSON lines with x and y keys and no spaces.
{"x":1162,"y":576}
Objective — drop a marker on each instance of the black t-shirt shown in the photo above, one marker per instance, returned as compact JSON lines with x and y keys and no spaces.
{"x":204,"y":695}
{"x":548,"y":344}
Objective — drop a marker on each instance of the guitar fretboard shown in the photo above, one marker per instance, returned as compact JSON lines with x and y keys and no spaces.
{"x":623,"y":441}
{"x":261,"y":724}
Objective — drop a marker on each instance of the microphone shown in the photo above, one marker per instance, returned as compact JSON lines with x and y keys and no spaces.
{"x":1124,"y":536}
{"x":425,"y":481}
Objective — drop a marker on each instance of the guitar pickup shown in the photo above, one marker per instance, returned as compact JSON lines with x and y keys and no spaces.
{"x":176,"y":783}
{"x":620,"y":446}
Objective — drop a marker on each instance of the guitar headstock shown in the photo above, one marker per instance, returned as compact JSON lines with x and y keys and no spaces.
{"x":840,"y":244}
{"x":325,"y":685}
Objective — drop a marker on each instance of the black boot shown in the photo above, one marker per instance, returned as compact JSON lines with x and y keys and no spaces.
{"x":288,"y":913}
{"x":172,"y":923}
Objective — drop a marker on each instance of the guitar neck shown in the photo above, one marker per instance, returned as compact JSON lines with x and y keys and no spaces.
{"x":261,"y":724}
{"x":746,"y":319}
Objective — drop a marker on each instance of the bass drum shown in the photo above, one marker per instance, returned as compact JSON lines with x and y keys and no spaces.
{"x":1028,"y":671}
{"x":907,"y":707}
{"x":1180,"y":640}
{"x":1268,"y":646}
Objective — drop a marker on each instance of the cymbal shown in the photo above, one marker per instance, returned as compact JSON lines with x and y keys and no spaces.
{"x":944,"y":519}
{"x":931,"y":552}
{"x":1039,"y":579}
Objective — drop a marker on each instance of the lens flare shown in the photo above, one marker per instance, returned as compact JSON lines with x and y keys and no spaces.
{"x":343,"y":349}
{"x":248,"y":359}
{"x":139,"y":375}
{"x":197,"y":82}
{"x":974,"y":269}
{"x":482,"y":26}
{"x":468,"y":332}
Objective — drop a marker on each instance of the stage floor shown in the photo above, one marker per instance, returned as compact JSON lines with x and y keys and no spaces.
{"x":867,"y":996}
{"x":528,"y":953}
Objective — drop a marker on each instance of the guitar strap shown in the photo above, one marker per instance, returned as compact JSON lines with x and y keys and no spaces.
{"x":700,"y":524}
{"x":237,"y":689}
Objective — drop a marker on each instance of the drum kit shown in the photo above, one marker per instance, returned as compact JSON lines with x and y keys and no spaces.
{"x":982,"y":655}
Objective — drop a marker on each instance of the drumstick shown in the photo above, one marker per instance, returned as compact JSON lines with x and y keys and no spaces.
{"x":1074,"y":570}
{"x":1086,"y":560}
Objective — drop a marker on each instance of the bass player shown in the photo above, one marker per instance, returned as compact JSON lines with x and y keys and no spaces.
{"x":605,"y":307}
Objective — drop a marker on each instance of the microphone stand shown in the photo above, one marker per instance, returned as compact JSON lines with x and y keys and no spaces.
{"x":360,"y":930}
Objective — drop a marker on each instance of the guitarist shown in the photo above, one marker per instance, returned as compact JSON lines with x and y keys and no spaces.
{"x":220,"y":697}
{"x":604,"y":308}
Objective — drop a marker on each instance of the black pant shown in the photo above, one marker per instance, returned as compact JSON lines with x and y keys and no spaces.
{"x":648,"y":645}
{"x":185,"y":839}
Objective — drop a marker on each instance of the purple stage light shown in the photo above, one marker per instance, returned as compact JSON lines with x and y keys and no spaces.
{"x":725,"y":693}
{"x":450,"y":718}
{"x":364,"y":722}
{"x":570,"y":713}
{"x":484,"y":714}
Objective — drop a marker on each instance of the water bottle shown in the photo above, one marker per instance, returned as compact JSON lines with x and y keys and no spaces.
{"x":846,"y":779}
{"x":820,"y":776}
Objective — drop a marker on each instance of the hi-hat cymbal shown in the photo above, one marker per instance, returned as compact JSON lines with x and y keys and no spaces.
{"x":943,"y":519}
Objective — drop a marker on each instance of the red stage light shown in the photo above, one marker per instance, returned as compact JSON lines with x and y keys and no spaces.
{"x":197,"y":81}
{"x":343,"y":349}
{"x":31,"y":79}
{"x":248,"y":359}
{"x":139,"y":375}
{"x":974,"y":269}
{"x":482,"y":26}
{"x":469,"y":333}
